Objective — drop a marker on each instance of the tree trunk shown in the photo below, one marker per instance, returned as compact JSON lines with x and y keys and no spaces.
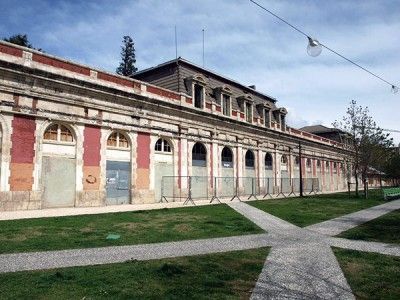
{"x":356,"y":178}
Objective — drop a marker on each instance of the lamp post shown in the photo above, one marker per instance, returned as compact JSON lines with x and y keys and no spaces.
{"x":301,"y":171}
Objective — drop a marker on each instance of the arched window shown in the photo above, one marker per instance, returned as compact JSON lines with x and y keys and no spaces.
{"x":318,"y":163}
{"x":58,"y":133}
{"x":283,"y":160}
{"x":117,"y":140}
{"x":268,"y":161}
{"x":199,"y":154}
{"x":296,"y":162}
{"x":227,"y":158}
{"x":327,"y":164}
{"x":308,"y":163}
{"x":162,"y":146}
{"x":249,"y":159}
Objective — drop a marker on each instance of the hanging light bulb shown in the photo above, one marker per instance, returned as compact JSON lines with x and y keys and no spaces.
{"x":395,"y":89}
{"x":314,"y":48}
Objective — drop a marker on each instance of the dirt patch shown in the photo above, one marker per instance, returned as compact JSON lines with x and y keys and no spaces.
{"x":354,"y":268}
{"x":23,"y":236}
{"x":127,"y":226}
{"x":183,"y":227}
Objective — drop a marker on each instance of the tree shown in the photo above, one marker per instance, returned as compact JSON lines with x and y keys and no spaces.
{"x":128,"y":60}
{"x":369,"y":145}
{"x":21,"y":40}
{"x":392,"y":166}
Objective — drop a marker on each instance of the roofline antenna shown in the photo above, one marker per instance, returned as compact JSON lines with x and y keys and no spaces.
{"x":176,"y":44}
{"x":203,"y":47}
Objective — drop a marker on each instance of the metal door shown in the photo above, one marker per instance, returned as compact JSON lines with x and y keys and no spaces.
{"x":163,"y":169}
{"x":199,"y":182}
{"x":118,"y":174}
{"x":58,"y":181}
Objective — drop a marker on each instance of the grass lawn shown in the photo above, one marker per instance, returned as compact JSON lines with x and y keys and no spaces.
{"x":370,"y":275}
{"x":229,"y":275}
{"x":134,"y":227}
{"x":314,"y":209}
{"x":385,"y":229}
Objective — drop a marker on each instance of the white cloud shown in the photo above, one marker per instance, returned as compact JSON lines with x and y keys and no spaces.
{"x":242,"y":42}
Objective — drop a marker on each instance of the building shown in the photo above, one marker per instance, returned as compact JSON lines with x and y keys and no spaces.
{"x":328,"y":133}
{"x":73,"y":135}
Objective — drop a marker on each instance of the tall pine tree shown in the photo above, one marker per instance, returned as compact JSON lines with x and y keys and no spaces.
{"x":128,"y":60}
{"x":21,"y":40}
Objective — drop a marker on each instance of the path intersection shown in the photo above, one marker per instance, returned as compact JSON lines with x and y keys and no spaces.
{"x":300,"y":265}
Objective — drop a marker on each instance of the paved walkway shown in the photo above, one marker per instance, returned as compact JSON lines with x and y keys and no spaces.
{"x":301,"y":264}
{"x":343,"y":223}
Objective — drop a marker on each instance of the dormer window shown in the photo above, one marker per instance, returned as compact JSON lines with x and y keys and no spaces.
{"x":267,"y":118}
{"x":223,"y":97}
{"x":283,"y":122}
{"x":196,"y":87}
{"x":249,"y":112}
{"x":226,"y":105}
{"x":198,"y":95}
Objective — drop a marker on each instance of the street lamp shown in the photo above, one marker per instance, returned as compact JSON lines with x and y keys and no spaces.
{"x":301,"y":171}
{"x":314,"y":48}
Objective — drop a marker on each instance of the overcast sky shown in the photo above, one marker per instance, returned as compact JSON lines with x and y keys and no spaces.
{"x":242,"y":42}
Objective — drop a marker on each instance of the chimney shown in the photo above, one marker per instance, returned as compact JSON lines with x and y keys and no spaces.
{"x":252,"y":86}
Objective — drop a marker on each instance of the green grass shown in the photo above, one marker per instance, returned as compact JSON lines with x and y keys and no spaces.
{"x":134,"y":227}
{"x":385,"y":229}
{"x":314,"y":209}
{"x":370,"y":275}
{"x":230,"y":275}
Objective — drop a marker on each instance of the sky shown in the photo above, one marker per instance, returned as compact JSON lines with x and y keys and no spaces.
{"x":242,"y":42}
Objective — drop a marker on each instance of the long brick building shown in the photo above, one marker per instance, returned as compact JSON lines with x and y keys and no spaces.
{"x":73,"y":135}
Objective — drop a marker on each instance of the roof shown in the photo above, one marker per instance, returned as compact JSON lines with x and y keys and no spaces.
{"x":319,"y":129}
{"x":204,"y":70}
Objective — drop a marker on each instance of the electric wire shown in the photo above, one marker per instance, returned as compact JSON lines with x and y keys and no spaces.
{"x":323,"y":45}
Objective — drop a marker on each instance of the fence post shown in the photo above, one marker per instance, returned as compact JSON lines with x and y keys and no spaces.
{"x":215,"y":197}
{"x":189,"y":198}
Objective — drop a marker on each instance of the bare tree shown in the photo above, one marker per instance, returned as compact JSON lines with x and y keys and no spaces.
{"x":369,"y":144}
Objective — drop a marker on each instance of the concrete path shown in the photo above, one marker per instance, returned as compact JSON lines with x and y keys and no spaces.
{"x":302,"y":271}
{"x":343,"y":223}
{"x":76,"y":211}
{"x":105,"y":255}
{"x":301,"y":264}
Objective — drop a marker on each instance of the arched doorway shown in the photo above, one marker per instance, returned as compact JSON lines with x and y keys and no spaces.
{"x":335,"y":176}
{"x":250,"y":172}
{"x":285,"y":179}
{"x":163,"y":166}
{"x":269,"y":173}
{"x":309,"y":182}
{"x":319,"y":174}
{"x":199,"y":183}
{"x":118,"y":169}
{"x":227,"y":182}
{"x":58,"y":176}
{"x":327,"y":176}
